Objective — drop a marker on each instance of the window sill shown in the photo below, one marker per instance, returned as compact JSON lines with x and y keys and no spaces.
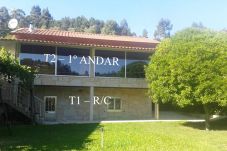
{"x":114,"y":110}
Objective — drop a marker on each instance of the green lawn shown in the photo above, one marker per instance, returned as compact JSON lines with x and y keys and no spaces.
{"x":158,"y":136}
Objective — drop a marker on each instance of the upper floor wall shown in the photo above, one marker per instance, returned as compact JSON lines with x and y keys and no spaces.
{"x":66,"y":58}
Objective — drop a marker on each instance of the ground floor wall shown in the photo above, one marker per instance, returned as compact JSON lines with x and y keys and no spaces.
{"x":135,"y":104}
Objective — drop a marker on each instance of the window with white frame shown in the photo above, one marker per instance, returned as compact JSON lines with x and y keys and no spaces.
{"x":50,"y":103}
{"x":114,"y":104}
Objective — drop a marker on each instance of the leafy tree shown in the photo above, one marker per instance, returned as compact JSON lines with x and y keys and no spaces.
{"x":19,"y":14}
{"x":124,"y":28}
{"x":43,"y":19}
{"x":190,"y":68}
{"x":133,"y":34}
{"x":11,"y":69}
{"x":35,"y":16}
{"x":65,"y":23}
{"x":4,"y":18}
{"x":163,"y":30}
{"x":46,"y":18}
{"x":198,"y":25}
{"x":81,"y":23}
{"x":92,"y":21}
{"x":99,"y":25}
{"x":92,"y":29}
{"x":145,"y":33}
{"x":111,"y":27}
{"x":94,"y":26}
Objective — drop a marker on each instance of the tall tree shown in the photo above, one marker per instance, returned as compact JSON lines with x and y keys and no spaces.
{"x":163,"y":30}
{"x":190,"y":69}
{"x":4,"y":18}
{"x":46,"y":18}
{"x":94,"y":26}
{"x":35,"y":16}
{"x":81,"y":23}
{"x":145,"y":33}
{"x":92,"y":21}
{"x":124,"y":28}
{"x":111,"y":27}
{"x":92,"y":29}
{"x":99,"y":25}
{"x":65,"y":23}
{"x":19,"y":14}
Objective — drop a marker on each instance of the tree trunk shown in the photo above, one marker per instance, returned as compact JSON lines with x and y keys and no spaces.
{"x":207,"y":117}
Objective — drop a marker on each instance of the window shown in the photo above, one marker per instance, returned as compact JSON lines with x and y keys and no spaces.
{"x":50,"y":103}
{"x":34,"y":56}
{"x":72,"y":61}
{"x":76,"y":61}
{"x":114,"y":104}
{"x":110,"y":63}
{"x":135,"y":63}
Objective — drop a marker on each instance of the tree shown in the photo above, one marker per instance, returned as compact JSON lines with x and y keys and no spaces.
{"x":190,"y":68}
{"x":43,"y":19}
{"x":19,"y":14}
{"x":99,"y":25}
{"x":124,"y":28}
{"x":198,"y":25}
{"x":35,"y":16}
{"x":111,"y":27}
{"x":65,"y":23}
{"x":92,"y":29}
{"x":145,"y":33}
{"x":46,"y":18}
{"x":133,"y":34}
{"x":11,"y":69}
{"x":163,"y":30}
{"x":4,"y":18}
{"x":80,"y":24}
{"x":94,"y":26}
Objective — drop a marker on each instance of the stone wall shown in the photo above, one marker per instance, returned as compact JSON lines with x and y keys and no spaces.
{"x":135,"y":103}
{"x":64,"y":110}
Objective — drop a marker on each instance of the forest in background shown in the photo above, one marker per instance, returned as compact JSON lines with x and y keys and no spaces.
{"x":42,"y":18}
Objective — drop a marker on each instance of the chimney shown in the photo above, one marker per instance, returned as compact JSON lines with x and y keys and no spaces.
{"x":30,"y":27}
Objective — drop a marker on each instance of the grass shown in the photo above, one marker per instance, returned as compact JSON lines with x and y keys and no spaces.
{"x":158,"y":136}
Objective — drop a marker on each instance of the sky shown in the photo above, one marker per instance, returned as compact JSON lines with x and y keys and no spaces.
{"x":140,"y":14}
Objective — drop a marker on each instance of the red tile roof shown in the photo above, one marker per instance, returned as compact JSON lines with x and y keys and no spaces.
{"x":83,"y":39}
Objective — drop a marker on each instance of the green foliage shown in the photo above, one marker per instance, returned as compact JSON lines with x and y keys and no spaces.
{"x":124,"y":28}
{"x":145,"y":33}
{"x":190,"y":68}
{"x":4,"y":18}
{"x":35,"y":16}
{"x":11,"y":69}
{"x":110,"y":28}
{"x":134,"y":70}
{"x":19,"y":14}
{"x":163,"y":30}
{"x":46,"y":18}
{"x":198,"y":25}
{"x":42,"y":18}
